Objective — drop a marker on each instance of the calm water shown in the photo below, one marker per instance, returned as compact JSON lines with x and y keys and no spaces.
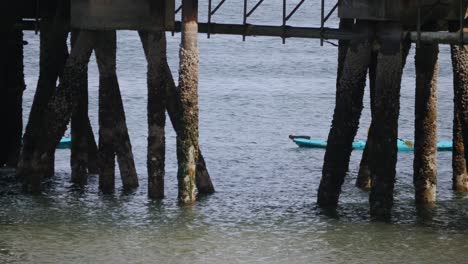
{"x":253,"y":94}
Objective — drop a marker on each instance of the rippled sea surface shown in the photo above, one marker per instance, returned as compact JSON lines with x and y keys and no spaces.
{"x":252,"y":95}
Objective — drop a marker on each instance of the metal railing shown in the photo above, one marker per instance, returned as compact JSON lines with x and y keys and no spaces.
{"x":247,"y":12}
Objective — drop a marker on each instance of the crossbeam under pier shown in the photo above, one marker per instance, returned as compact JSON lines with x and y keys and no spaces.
{"x":440,"y":37}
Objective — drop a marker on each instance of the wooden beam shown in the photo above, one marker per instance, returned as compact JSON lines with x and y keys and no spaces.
{"x":120,"y":14}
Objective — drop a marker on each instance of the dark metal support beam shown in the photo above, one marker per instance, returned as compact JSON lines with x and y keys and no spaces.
{"x":178,"y":9}
{"x":299,"y":32}
{"x":283,"y":37}
{"x":331,"y":12}
{"x":217,"y":7}
{"x":212,"y":12}
{"x":254,"y":8}
{"x":322,"y":20}
{"x":294,"y":10}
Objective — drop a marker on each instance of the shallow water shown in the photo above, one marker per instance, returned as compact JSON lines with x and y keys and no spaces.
{"x":253,"y":94}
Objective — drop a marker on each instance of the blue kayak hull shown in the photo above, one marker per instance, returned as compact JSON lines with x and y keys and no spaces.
{"x":403,"y":145}
{"x":65,"y":143}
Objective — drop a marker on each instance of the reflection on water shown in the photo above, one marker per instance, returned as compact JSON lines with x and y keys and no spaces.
{"x":66,"y":225}
{"x":253,"y":94}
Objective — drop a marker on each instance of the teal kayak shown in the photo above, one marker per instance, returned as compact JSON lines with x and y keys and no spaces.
{"x":65,"y":143}
{"x":403,"y":145}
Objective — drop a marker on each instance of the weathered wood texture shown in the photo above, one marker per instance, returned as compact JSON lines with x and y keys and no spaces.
{"x":459,"y":55}
{"x":113,"y":132}
{"x":187,"y":140}
{"x":371,"y":10}
{"x":398,"y":10}
{"x":123,"y":14}
{"x":363,"y":180}
{"x":57,"y":114}
{"x":349,"y":94}
{"x":83,"y":159}
{"x":31,"y":9}
{"x":387,"y":108}
{"x":154,"y":45}
{"x":425,"y":135}
{"x":345,"y":24}
{"x":53,"y":39}
{"x":11,"y":92}
{"x":3,"y":96}
{"x":173,"y":102}
{"x":202,"y":177}
{"x":107,"y":149}
{"x":459,"y":173}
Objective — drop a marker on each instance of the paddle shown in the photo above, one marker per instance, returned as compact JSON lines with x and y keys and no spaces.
{"x":292,"y":137}
{"x":408,"y":143}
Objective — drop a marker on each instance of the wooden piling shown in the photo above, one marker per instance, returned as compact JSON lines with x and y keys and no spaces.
{"x":107,"y":150}
{"x":345,"y":122}
{"x":459,"y":55}
{"x":154,"y":44}
{"x":113,"y":132}
{"x":202,"y":178}
{"x":83,"y":159}
{"x":3,"y":97}
{"x":425,"y":144}
{"x":187,"y":141}
{"x":124,"y":153}
{"x":459,"y":173}
{"x":387,"y":106}
{"x":93,"y":167}
{"x":12,"y":86}
{"x":173,"y":106}
{"x":343,"y":45}
{"x":363,"y":180}
{"x":56,"y":115}
{"x":53,"y":38}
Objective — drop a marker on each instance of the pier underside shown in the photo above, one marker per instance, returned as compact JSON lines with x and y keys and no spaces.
{"x":373,"y":43}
